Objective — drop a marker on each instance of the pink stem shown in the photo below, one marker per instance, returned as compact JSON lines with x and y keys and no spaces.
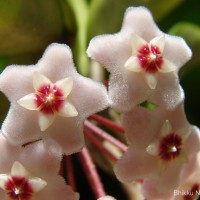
{"x":105,"y":136}
{"x":91,"y":173}
{"x":99,"y":145}
{"x":70,"y":172}
{"x":107,"y":123}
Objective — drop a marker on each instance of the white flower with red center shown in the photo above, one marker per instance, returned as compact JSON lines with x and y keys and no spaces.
{"x":161,"y":143}
{"x":18,"y":185}
{"x":31,"y":172}
{"x":169,"y":146}
{"x":62,"y":98}
{"x":188,"y":189}
{"x":148,"y":59}
{"x":143,"y":62}
{"x":49,"y":99}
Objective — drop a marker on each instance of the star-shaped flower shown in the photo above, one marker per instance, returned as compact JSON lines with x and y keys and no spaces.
{"x":31,"y":172}
{"x":143,"y":62}
{"x":187,"y":190}
{"x":49,"y":99}
{"x":160,"y":143}
{"x":62,"y":97}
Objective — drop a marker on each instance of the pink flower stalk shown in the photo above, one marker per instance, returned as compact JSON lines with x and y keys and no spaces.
{"x":50,"y":99}
{"x":143,"y":62}
{"x":160,"y":143}
{"x":31,"y":172}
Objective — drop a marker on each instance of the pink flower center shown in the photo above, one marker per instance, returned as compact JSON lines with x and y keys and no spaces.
{"x":18,"y":188}
{"x":49,"y":99}
{"x":193,"y":193}
{"x":170,"y":147}
{"x":150,"y":58}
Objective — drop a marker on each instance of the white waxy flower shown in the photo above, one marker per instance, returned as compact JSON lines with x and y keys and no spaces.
{"x":49,"y":99}
{"x":19,"y":185}
{"x":143,"y":62}
{"x":161,"y":143}
{"x":148,"y":59}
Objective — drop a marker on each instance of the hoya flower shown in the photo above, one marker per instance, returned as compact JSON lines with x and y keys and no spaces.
{"x":50,"y":99}
{"x":187,"y":190}
{"x":31,"y":172}
{"x":143,"y":62}
{"x":160,"y":143}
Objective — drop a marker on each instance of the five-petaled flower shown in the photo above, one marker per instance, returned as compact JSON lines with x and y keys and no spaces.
{"x":31,"y":172}
{"x":50,"y":99}
{"x":160,"y":143}
{"x":143,"y":62}
{"x":53,"y":88}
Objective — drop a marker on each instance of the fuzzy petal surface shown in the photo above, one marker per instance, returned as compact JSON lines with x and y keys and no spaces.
{"x":41,"y":160}
{"x":57,"y":66}
{"x":127,"y":88}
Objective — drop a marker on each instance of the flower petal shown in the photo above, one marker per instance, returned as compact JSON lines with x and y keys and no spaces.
{"x":39,"y":80}
{"x":132,"y":64}
{"x":45,"y":120}
{"x":167,"y":66}
{"x":166,"y":128}
{"x":159,"y":42}
{"x":184,"y":133}
{"x":136,"y":43}
{"x":68,"y":110}
{"x":65,"y":85}
{"x":3,"y":179}
{"x":18,"y":170}
{"x":151,"y":80}
{"x":37,"y":184}
{"x":28,"y":102}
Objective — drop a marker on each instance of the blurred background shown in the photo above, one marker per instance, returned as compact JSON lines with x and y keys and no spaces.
{"x":27,"y":27}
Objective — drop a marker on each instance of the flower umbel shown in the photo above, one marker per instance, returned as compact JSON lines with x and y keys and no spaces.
{"x":50,"y":99}
{"x":19,"y":185}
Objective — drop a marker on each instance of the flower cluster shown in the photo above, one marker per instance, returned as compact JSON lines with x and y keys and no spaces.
{"x":50,"y":103}
{"x":143,"y":63}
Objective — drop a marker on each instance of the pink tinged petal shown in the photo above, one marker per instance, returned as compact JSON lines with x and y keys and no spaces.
{"x":159,"y":42}
{"x":176,"y":44}
{"x":45,"y":120}
{"x":37,"y":184}
{"x":19,"y":170}
{"x":28,"y":102}
{"x":136,"y":43}
{"x":68,"y":110}
{"x":151,"y":80}
{"x":65,"y":85}
{"x":167,"y":66}
{"x":132,"y":64}
{"x":39,"y":80}
{"x":3,"y":179}
{"x":166,"y":128}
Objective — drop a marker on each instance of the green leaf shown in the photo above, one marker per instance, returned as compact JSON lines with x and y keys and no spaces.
{"x":80,"y":12}
{"x":106,"y":16}
{"x":28,"y":26}
{"x":3,"y":63}
{"x":160,"y":8}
